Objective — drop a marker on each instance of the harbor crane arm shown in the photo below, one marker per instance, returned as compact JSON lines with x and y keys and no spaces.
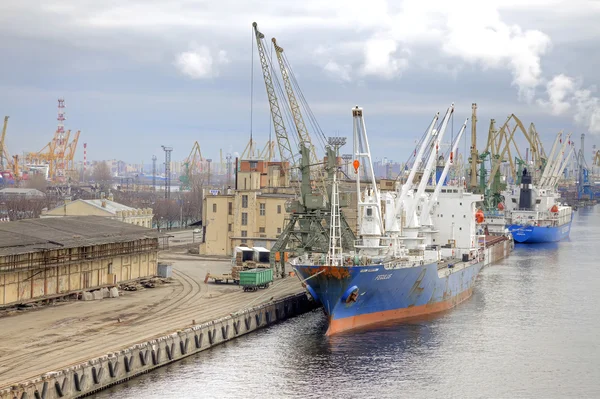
{"x":2,"y":149}
{"x":557,"y":162}
{"x":474,"y":153}
{"x":554,"y":179}
{"x":283,"y":141}
{"x":499,"y":145}
{"x":546,"y":173}
{"x":303,"y":135}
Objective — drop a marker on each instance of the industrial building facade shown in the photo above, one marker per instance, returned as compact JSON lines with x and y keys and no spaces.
{"x":47,"y":258}
{"x":253,"y":214}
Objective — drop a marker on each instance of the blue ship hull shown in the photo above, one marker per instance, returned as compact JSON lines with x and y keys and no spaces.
{"x":356,"y":296}
{"x":537,"y":234}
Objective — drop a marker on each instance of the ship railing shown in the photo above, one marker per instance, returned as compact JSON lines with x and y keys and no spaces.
{"x":493,"y":214}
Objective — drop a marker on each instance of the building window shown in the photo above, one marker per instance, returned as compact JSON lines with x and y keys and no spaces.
{"x":278,"y":208}
{"x":229,"y":227}
{"x":263,"y":209}
{"x":261,"y":229}
{"x":230,"y":208}
{"x":244,"y":219}
{"x":244,"y":233}
{"x":214,"y":208}
{"x":244,"y":201}
{"x":279,"y":230}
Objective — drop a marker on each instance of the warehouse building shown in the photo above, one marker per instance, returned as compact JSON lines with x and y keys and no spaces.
{"x":103,"y":207}
{"x":54,"y":257}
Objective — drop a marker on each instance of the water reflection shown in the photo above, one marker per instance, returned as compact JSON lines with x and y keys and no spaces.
{"x":528,"y":331}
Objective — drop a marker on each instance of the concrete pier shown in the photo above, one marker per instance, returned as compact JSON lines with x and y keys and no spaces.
{"x":101,"y":372}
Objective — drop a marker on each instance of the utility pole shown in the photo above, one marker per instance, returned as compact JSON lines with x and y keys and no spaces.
{"x":208,"y":178}
{"x":154,"y":173}
{"x":474,"y":154}
{"x":228,"y":157}
{"x":167,"y":151}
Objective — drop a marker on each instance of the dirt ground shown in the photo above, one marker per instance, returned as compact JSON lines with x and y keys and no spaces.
{"x":53,"y":337}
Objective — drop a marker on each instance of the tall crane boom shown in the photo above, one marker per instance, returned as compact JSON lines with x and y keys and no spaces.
{"x":283,"y":142}
{"x":2,"y":144}
{"x":474,"y":153}
{"x":303,"y":135}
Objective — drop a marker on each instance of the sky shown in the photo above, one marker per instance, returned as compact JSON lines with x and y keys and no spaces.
{"x":138,"y":74}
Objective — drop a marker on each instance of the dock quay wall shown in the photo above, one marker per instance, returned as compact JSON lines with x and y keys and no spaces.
{"x":497,"y":248}
{"x":91,"y":376}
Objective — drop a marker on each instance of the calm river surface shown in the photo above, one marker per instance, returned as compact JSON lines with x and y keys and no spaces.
{"x":530,"y":330}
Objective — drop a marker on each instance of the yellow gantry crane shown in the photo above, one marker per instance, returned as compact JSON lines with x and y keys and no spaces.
{"x":3,"y":152}
{"x":70,"y":155}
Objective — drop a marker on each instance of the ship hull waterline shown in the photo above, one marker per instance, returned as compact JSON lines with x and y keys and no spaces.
{"x":539,"y":234}
{"x":359,"y":296}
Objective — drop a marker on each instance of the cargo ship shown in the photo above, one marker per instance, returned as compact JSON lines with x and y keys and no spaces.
{"x":420,"y":247}
{"x":535,"y":215}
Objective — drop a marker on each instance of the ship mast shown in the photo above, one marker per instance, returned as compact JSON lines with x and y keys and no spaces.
{"x":334,"y":255}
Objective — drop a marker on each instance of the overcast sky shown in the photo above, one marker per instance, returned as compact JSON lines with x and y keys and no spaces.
{"x":136,"y":74}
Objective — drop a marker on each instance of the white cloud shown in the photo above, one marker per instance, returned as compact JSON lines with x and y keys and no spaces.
{"x":587,"y":109}
{"x":199,"y":63}
{"x":470,"y":30}
{"x":567,"y":94}
{"x":381,"y":59}
{"x":339,"y":71}
{"x":559,"y":89}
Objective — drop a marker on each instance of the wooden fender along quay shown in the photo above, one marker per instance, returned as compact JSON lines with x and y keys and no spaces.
{"x":99,"y":373}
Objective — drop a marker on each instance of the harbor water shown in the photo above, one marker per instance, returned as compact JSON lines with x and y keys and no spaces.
{"x":530,"y":330}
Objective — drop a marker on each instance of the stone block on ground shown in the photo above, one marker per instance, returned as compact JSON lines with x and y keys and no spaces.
{"x":87,"y":296}
{"x":105,"y":292}
{"x":114,"y":292}
{"x":98,"y":295}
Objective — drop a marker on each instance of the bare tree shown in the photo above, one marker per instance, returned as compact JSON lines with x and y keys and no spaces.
{"x":102,"y":174}
{"x":19,"y":207}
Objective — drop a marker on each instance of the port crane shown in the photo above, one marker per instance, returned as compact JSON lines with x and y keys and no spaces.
{"x":2,"y":145}
{"x":502,"y":149}
{"x":307,"y":230}
{"x":283,"y":142}
{"x":193,"y":166}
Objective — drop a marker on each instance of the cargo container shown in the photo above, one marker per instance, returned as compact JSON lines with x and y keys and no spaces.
{"x":252,"y":280}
